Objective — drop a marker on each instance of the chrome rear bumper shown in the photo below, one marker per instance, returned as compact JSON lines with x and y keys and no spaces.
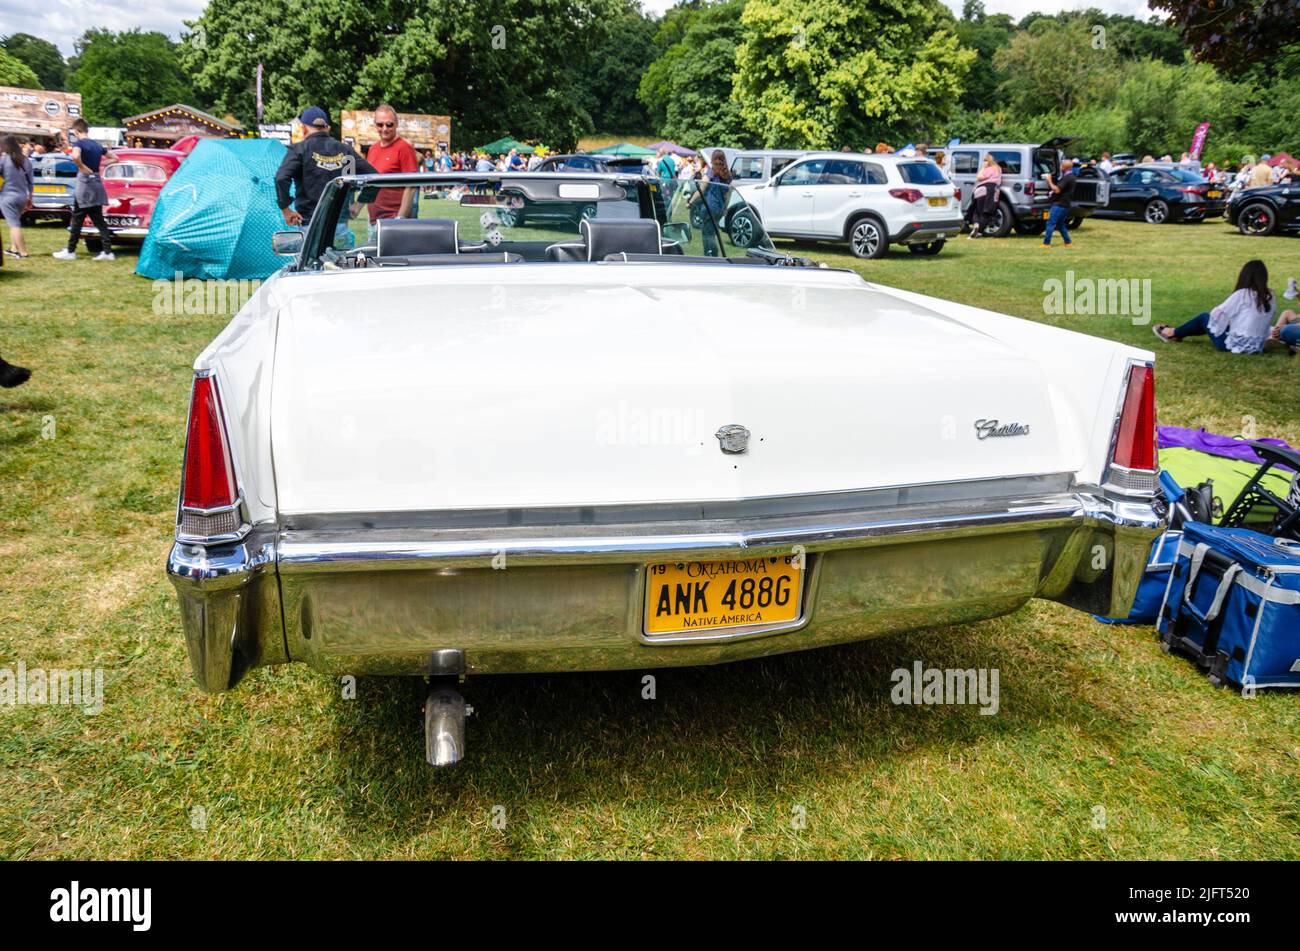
{"x":380,"y":600}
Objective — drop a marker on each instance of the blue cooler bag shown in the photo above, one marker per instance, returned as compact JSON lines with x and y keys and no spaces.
{"x":1233,"y":606}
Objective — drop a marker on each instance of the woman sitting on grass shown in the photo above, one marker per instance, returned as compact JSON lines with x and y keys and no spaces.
{"x":1240,"y":324}
{"x":1287,"y":331}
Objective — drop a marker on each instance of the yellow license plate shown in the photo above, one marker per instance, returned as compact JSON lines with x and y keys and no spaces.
{"x":49,"y":189}
{"x":1046,"y":215}
{"x":938,"y":202}
{"x":708,"y":597}
{"x":1213,"y":194}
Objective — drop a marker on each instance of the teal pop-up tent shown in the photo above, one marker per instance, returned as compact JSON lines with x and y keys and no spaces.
{"x":215,"y":217}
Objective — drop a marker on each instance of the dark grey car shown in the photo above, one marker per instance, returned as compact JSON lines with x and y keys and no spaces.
{"x":54,"y":178}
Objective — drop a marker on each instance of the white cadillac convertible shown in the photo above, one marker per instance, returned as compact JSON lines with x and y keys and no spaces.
{"x":564,"y":422}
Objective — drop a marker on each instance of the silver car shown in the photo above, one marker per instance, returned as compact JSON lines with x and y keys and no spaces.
{"x":1026,"y":197}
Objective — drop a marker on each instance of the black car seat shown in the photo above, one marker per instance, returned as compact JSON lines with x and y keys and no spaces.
{"x":603,"y":238}
{"x":400,"y":237}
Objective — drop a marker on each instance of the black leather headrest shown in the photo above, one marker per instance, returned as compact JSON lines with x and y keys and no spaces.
{"x":635,"y":236}
{"x":397,"y":237}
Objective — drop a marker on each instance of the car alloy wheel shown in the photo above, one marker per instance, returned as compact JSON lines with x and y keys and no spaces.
{"x":742,"y":230}
{"x":1256,"y":220}
{"x":866,"y":240}
{"x":1003,"y":219}
{"x":1156,"y":212}
{"x":508,"y":217}
{"x":588,"y":212}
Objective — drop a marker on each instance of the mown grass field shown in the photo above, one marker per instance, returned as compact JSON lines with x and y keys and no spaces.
{"x":1103,"y":746}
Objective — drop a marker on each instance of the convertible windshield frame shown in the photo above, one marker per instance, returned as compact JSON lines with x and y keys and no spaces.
{"x":536,"y":187}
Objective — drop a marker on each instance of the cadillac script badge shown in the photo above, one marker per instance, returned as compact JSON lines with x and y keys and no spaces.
{"x":733,"y":438}
{"x":984,"y":428}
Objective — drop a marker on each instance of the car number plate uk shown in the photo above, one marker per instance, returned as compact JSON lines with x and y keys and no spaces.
{"x":50,"y":189}
{"x":1213,"y":194}
{"x":710,"y":597}
{"x":938,"y":202}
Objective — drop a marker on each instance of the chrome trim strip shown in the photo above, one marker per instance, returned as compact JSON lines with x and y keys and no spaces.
{"x":323,"y":551}
{"x":693,"y":511}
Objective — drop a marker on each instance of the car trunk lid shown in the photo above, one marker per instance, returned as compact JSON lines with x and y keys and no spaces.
{"x":441,"y":389}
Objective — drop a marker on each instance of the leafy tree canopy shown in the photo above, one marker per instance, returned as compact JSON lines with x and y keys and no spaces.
{"x":42,"y":56}
{"x":1234,"y":35}
{"x":124,"y":74}
{"x":14,"y":72}
{"x":690,"y":84}
{"x":824,"y":73}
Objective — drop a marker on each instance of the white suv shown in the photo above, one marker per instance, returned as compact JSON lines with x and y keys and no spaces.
{"x":869,"y":201}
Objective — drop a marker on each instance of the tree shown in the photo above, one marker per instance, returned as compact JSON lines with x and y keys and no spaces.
{"x":1234,"y":35}
{"x":506,"y":66}
{"x":655,"y":88}
{"x":689,"y":86}
{"x":825,"y":73}
{"x":608,"y":81}
{"x":14,"y":72}
{"x":985,"y":35}
{"x":1053,"y":67}
{"x":42,"y":56}
{"x":124,"y":74}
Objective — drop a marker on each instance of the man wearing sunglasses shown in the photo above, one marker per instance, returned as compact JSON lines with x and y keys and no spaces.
{"x":391,"y":153}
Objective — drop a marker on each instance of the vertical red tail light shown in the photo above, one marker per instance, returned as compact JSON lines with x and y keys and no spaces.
{"x":1135,"y":445}
{"x":209,"y":480}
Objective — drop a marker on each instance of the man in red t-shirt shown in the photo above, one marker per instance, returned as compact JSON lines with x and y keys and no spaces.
{"x":390,"y":154}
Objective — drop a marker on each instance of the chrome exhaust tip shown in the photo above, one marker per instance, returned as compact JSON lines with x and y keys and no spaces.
{"x":445,"y":711}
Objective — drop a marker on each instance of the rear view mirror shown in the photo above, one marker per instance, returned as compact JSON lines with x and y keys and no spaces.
{"x":287,"y":243}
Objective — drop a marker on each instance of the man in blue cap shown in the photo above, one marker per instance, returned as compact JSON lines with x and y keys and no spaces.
{"x":312,"y":164}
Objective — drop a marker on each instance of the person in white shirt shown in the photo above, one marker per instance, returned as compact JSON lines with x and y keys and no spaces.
{"x":1106,"y":165}
{"x":1241,"y":324}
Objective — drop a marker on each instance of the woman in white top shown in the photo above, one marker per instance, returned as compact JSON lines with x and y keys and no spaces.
{"x":1241,"y":324}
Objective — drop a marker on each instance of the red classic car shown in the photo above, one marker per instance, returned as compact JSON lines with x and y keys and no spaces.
{"x":133,"y":180}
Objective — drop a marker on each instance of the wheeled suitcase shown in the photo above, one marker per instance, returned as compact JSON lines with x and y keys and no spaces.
{"x":1233,"y":606}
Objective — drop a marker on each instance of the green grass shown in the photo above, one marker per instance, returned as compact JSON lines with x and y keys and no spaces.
{"x":583,"y":767}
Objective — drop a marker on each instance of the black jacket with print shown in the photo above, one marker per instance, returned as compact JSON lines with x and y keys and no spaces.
{"x":312,"y":164}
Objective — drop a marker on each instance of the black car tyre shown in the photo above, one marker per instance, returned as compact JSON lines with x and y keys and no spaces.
{"x":1257,"y":220}
{"x":94,"y":245}
{"x":1003,"y":220}
{"x":1156,"y":212}
{"x":1076,"y":224}
{"x":1031,"y":227}
{"x":934,"y":247}
{"x":868,"y":238}
{"x":743,"y":230}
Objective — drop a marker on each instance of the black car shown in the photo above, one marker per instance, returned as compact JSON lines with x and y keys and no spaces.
{"x":1157,"y":193}
{"x":582,"y":162}
{"x":1270,"y":209}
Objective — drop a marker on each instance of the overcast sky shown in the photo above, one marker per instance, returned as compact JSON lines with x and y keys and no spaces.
{"x":62,"y":21}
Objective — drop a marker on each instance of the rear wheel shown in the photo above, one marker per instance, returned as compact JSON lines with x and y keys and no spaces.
{"x":742,"y":230}
{"x":1003,"y":220}
{"x":1257,"y":220}
{"x":511,"y":217}
{"x":94,"y":245}
{"x":868,"y":239}
{"x":1030,"y":227}
{"x":1156,"y":212}
{"x":934,"y":247}
{"x":1076,"y":224}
